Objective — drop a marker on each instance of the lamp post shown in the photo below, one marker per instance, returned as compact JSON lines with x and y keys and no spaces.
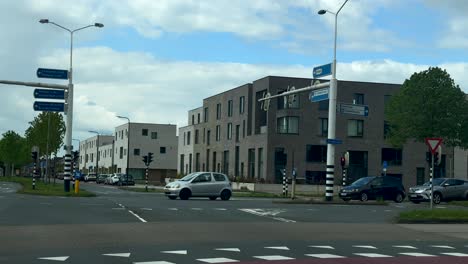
{"x":69,"y":111}
{"x":332,"y":115}
{"x":97,"y":151}
{"x":128,"y":143}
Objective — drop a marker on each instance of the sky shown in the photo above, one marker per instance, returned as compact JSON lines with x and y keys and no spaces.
{"x":156,"y":59}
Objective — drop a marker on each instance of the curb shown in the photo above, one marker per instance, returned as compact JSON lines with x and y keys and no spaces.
{"x":332,"y":202}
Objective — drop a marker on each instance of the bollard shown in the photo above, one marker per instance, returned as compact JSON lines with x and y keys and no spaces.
{"x":77,"y":186}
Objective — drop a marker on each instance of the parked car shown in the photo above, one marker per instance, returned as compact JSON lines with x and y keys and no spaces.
{"x":101,"y":178}
{"x":200,"y":184}
{"x":370,"y":188}
{"x":125,"y":180}
{"x":444,"y":189}
{"x":113,"y":178}
{"x":90,"y":177}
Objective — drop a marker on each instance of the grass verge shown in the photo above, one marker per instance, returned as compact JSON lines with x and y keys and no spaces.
{"x":49,"y":189}
{"x":459,"y":203}
{"x":435,"y":216}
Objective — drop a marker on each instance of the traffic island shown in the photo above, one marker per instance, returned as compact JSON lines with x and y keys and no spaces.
{"x":435,"y":216}
{"x":41,"y":188}
{"x":321,"y":200}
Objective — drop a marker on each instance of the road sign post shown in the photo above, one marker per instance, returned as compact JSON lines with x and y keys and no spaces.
{"x":433,"y":144}
{"x":384,"y":166}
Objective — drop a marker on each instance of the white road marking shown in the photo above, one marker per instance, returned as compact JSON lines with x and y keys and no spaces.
{"x":173,"y":209}
{"x":324,"y":247}
{"x":197,"y":209}
{"x":154,"y":262}
{"x":442,"y":246}
{"x":280,"y":248}
{"x":416,"y":254}
{"x":147,"y":209}
{"x":266,"y":213}
{"x":388,"y":210}
{"x":46,"y":203}
{"x":228,"y":249}
{"x":124,"y":255}
{"x":118,"y":208}
{"x":217,"y":260}
{"x":221,"y":209}
{"x":137,"y":216}
{"x":179,"y":252}
{"x":324,"y":256}
{"x":455,"y":254}
{"x":284,"y":220}
{"x":56,"y":258}
{"x":372,"y":255}
{"x":365,"y":246}
{"x":273,"y":257}
{"x":410,"y":247}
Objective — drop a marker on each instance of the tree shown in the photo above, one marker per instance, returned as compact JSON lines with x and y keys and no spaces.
{"x":429,"y":104}
{"x":36,"y":134}
{"x":13,"y":150}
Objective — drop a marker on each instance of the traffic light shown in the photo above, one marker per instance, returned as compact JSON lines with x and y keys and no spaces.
{"x":150,"y":157}
{"x":343,"y":161}
{"x":34,"y":156}
{"x":145,"y":160}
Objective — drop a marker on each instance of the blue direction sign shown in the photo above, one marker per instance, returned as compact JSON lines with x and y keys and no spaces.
{"x":319,"y":95}
{"x":323,"y":70}
{"x":334,"y":141}
{"x":49,"y":106}
{"x":52,"y":73}
{"x":354,"y":109}
{"x":49,"y":94}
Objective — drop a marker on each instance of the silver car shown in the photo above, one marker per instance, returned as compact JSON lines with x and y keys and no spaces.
{"x":445,"y":189}
{"x":200,"y":184}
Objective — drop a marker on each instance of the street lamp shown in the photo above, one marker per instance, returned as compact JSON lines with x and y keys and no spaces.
{"x":128,"y":142}
{"x":69,"y":112}
{"x":331,"y":115}
{"x":97,"y":151}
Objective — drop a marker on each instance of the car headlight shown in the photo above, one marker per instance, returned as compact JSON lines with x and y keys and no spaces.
{"x":175,"y":186}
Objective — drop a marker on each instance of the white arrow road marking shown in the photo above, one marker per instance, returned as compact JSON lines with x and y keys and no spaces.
{"x":280,"y":248}
{"x":456,"y":254}
{"x":124,"y":255}
{"x":153,"y":262}
{"x":137,"y":216}
{"x":324,"y":256}
{"x":180,"y":252}
{"x":372,"y":255}
{"x":56,"y":258}
{"x":228,"y":249}
{"x":442,"y":246}
{"x":410,"y":247}
{"x":273,"y":257}
{"x":217,"y":260}
{"x":324,"y":247}
{"x":147,"y":209}
{"x":365,"y":246}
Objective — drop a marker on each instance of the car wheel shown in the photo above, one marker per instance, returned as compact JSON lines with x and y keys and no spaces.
{"x":213,"y":198}
{"x":399,"y":198}
{"x":437,"y":198}
{"x":364,"y":197}
{"x":225,"y":195}
{"x":184,"y":194}
{"x":172,"y":197}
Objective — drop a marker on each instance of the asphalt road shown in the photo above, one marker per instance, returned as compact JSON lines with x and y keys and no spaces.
{"x":128,"y":227}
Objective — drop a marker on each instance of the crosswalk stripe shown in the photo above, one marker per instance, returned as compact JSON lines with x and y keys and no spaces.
{"x":455,"y":254}
{"x":416,"y":254}
{"x":442,"y":246}
{"x":404,"y":246}
{"x":280,"y":248}
{"x":372,"y":255}
{"x":324,"y":256}
{"x":324,"y":247}
{"x":217,"y":260}
{"x":273,"y":257}
{"x":365,"y":246}
{"x":228,"y":249}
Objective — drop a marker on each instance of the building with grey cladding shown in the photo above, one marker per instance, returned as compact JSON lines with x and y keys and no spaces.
{"x":230,"y":133}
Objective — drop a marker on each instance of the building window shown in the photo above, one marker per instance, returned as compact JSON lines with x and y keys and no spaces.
{"x":144,"y":132}
{"x":154,"y":135}
{"x":323,"y":105}
{"x":260,"y":163}
{"x":136,"y":152}
{"x":218,"y":133}
{"x":288,"y":125}
{"x":207,"y":159}
{"x":230,"y":107}
{"x":392,"y":156}
{"x":243,"y":128}
{"x":214,"y":161}
{"x":355,"y":128}
{"x":184,"y":138}
{"x":197,"y":162}
{"x":121,"y":153}
{"x":162,"y":150}
{"x":188,"y":138}
{"x":190,"y":163}
{"x":229,"y":131}
{"x":198,"y":118}
{"x":241,"y":105}
{"x":358,"y":98}
{"x":92,"y":157}
{"x":226,"y":162}
{"x":181,"y":165}
{"x":208,"y":137}
{"x":316,"y":153}
{"x":218,"y":111}
{"x":237,"y":132}
{"x":204,"y":135}
{"x":193,"y":119}
{"x":288,"y":102}
{"x":196,"y":136}
{"x":236,"y":161}
{"x":116,"y":136}
{"x":251,"y":158}
{"x":324,"y":127}
{"x":205,"y":114}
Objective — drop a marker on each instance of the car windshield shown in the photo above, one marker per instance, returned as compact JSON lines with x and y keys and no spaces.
{"x":437,"y":181}
{"x":189,"y":177}
{"x":362,"y":181}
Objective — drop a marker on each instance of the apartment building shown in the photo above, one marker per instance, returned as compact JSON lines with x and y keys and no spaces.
{"x":92,"y":156}
{"x":231,"y":133}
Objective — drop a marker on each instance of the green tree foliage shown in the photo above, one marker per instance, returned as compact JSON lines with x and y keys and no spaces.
{"x":36,"y":134}
{"x":13,"y":149}
{"x":429,"y":104}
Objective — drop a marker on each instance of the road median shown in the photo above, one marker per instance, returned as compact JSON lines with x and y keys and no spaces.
{"x":49,"y":189}
{"x":435,"y":216}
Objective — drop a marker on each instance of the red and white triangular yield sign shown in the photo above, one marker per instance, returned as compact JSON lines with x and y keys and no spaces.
{"x":433,"y":144}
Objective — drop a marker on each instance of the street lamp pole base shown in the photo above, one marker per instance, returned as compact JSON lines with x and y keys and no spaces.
{"x":66,"y":185}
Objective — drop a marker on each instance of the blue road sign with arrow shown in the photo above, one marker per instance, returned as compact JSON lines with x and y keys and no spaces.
{"x":49,"y":106}
{"x":49,"y":94}
{"x":52,"y":73}
{"x":322,"y":70}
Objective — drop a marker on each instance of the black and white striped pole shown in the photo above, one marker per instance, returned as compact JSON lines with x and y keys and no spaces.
{"x":434,"y":145}
{"x":146,"y":179}
{"x":285,"y":184}
{"x":34,"y":155}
